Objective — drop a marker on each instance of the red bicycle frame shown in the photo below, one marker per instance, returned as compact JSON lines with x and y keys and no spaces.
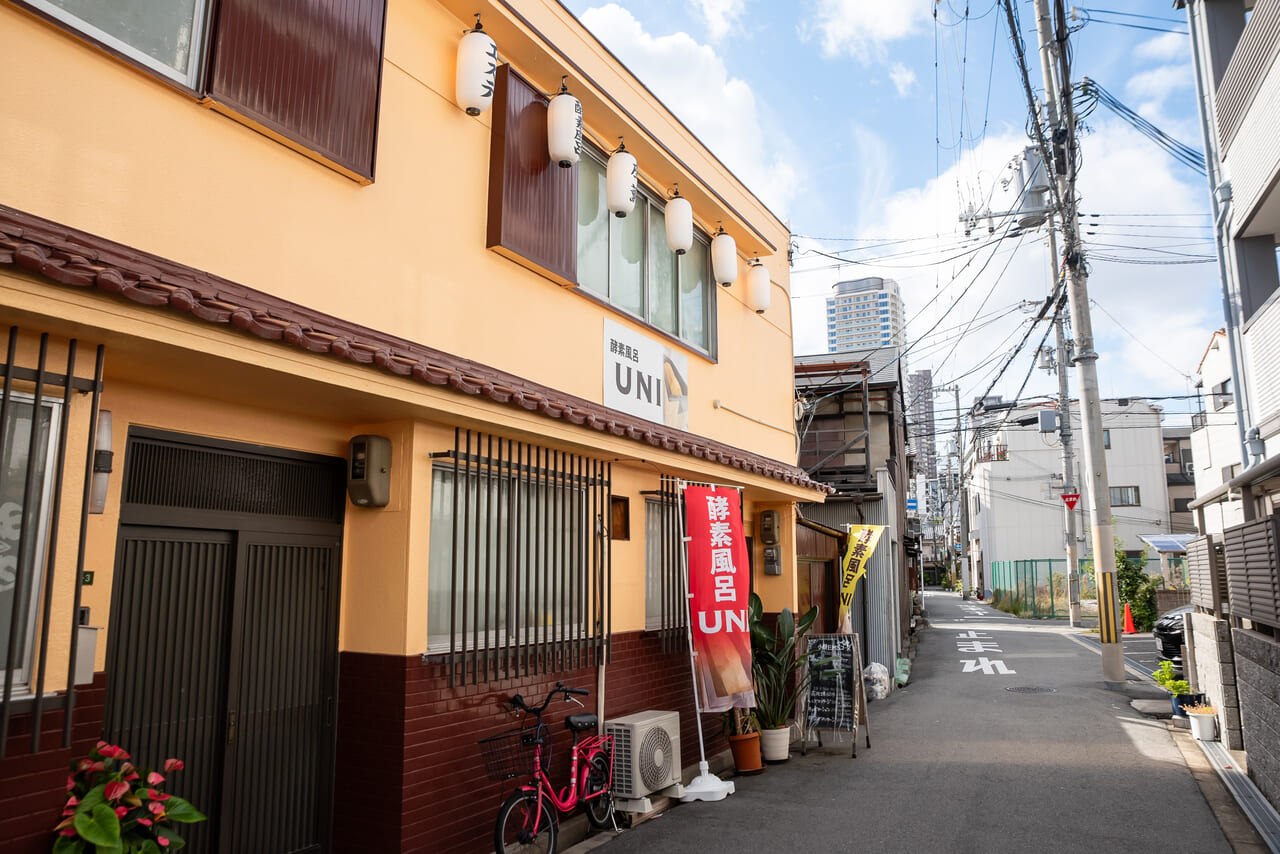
{"x":567,"y":798}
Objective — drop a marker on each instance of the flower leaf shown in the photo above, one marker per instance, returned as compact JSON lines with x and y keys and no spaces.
{"x":68,"y":845}
{"x":178,"y":809}
{"x":98,"y":826}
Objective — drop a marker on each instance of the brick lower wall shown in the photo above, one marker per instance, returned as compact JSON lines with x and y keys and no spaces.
{"x":1258,"y":679}
{"x":1216,"y":674}
{"x":409,"y":773}
{"x":33,"y":786}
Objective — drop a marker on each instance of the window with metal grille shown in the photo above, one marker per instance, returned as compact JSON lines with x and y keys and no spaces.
{"x":664,"y":603}
{"x":519,"y":559}
{"x":25,"y":483}
{"x":37,"y":410}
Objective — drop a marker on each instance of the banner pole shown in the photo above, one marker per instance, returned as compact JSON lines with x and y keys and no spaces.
{"x":706,"y":786}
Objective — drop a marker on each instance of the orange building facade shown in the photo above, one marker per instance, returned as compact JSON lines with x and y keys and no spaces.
{"x":398,"y":408}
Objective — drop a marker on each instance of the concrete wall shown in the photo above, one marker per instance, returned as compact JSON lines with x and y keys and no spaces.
{"x":1258,"y":678}
{"x":1216,"y":674}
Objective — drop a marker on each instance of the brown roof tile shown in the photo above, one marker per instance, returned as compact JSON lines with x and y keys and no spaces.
{"x":83,"y":260}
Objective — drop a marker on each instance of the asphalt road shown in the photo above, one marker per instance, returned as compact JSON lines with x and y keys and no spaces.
{"x":959,"y":763}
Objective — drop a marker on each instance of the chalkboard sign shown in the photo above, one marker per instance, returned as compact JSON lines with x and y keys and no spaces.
{"x":832,"y":699}
{"x":835,"y":699}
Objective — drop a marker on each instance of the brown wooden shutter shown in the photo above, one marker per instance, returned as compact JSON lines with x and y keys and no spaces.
{"x":533,"y":203}
{"x":307,"y":70}
{"x":1252,"y":551}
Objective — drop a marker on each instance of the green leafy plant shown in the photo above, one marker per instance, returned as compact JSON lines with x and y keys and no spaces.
{"x":1165,"y":678}
{"x":116,"y":807}
{"x":777,"y":663}
{"x":739,"y":722}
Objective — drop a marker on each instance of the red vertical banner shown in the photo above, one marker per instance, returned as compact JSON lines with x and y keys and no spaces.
{"x":719,"y":585}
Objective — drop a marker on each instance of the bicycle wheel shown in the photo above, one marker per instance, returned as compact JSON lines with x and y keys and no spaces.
{"x":514,"y":831}
{"x":599,"y":809}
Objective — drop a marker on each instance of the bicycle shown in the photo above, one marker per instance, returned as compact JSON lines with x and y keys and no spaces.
{"x":529,"y":820}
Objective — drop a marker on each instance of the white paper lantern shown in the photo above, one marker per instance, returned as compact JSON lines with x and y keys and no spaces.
{"x":564,"y":128}
{"x":679,"y":224}
{"x":477,"y":70}
{"x":759,"y":288}
{"x":622,"y":179}
{"x":724,"y":258}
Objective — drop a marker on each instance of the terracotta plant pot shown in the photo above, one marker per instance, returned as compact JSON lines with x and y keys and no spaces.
{"x":746,"y":753}
{"x":775,"y":744}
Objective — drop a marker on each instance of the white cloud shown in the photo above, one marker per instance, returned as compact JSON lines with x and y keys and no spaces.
{"x":721,"y":110}
{"x":720,"y":15}
{"x":1158,"y":84}
{"x":1170,"y":309}
{"x":862,"y":28}
{"x":903,"y":78}
{"x":1165,"y":48}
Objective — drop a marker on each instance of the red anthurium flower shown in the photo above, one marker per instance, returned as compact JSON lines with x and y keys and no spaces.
{"x":120,"y":811}
{"x":164,"y":843}
{"x":155,"y":778}
{"x":67,"y":831}
{"x":145,"y":821}
{"x":115,"y":791}
{"x":172,"y":765}
{"x":111,"y":751}
{"x":156,"y":808}
{"x":131,"y":776}
{"x":84,"y":765}
{"x":101,"y":745}
{"x":156,"y":795}
{"x":98,"y":766}
{"x":71,"y":782}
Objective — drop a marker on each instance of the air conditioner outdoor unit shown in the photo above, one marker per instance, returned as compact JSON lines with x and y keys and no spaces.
{"x":646,"y":752}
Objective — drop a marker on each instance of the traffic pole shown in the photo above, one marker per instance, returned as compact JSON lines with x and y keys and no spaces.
{"x":1062,"y":134}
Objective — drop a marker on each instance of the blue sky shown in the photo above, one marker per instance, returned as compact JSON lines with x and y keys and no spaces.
{"x":833,"y":113}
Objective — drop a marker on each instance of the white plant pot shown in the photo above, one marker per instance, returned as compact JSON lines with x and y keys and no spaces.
{"x":775,"y":744}
{"x":1204,"y":727}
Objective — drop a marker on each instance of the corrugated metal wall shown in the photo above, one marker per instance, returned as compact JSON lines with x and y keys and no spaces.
{"x":881,"y":582}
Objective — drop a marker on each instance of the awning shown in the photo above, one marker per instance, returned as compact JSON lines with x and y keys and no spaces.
{"x":1165,"y":543}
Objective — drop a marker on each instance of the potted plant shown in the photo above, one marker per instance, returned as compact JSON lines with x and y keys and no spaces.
{"x":1204,"y":721}
{"x":113,"y":805}
{"x":779,"y":674}
{"x":1180,"y":695}
{"x":743,"y":731}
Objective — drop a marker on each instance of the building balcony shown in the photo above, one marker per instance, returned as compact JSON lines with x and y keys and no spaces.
{"x":1248,"y":119}
{"x":993,"y":453}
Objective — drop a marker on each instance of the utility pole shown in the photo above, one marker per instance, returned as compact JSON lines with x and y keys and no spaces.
{"x":1059,"y":152}
{"x":1065,"y":434}
{"x":962,"y":504}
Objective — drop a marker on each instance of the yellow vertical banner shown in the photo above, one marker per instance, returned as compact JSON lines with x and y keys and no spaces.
{"x":862,"y":542}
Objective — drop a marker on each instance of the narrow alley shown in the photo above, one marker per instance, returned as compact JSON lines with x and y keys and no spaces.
{"x":1004,"y":740}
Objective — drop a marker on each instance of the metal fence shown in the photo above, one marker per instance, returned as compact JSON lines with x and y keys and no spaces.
{"x":1038,"y":587}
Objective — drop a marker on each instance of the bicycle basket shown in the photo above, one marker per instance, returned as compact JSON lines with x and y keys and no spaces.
{"x":509,"y":754}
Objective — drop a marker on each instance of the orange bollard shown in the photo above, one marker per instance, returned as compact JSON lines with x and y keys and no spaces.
{"x":1128,"y":621}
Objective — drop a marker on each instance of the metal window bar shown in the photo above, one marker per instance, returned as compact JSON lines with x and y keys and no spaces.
{"x":530,"y":559}
{"x":26,"y":572}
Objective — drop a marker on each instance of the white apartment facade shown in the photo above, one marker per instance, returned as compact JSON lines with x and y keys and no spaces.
{"x":864,"y":314}
{"x":1016,"y":511}
{"x":1215,"y":438}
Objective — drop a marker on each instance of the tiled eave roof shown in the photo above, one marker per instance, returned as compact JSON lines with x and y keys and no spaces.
{"x":78,"y":259}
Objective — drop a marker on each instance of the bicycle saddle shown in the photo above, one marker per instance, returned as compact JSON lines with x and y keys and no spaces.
{"x":581,"y":723}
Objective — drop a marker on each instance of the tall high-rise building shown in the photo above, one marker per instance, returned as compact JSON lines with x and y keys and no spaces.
{"x":864,"y":313}
{"x":920,"y":426}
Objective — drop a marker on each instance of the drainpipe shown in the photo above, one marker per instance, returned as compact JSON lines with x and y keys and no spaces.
{"x":1220,"y":197}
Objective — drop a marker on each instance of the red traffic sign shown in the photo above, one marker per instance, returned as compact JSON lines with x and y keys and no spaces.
{"x":1070,"y":499}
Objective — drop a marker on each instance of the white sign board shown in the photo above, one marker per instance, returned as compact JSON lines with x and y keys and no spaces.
{"x":644,"y":378}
